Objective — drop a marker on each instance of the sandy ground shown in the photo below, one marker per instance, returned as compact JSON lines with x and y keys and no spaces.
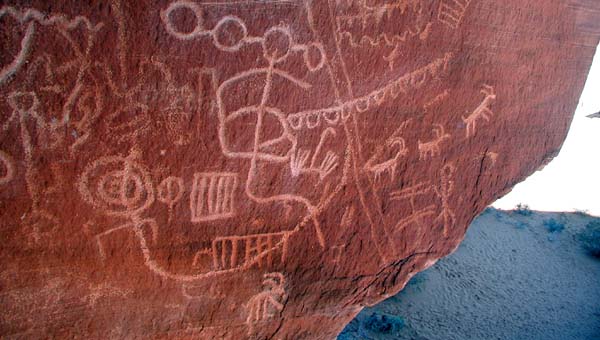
{"x":510,"y":279}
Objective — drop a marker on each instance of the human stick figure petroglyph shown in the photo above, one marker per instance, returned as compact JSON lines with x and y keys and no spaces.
{"x":277,"y":44}
{"x":121,"y":187}
{"x":170,"y":191}
{"x":451,"y":12}
{"x":77,"y":96}
{"x":432,"y":148}
{"x":268,"y":303}
{"x":25,"y":107}
{"x":482,"y":111}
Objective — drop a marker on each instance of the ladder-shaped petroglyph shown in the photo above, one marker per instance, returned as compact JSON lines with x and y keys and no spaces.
{"x":229,"y":252}
{"x":213,"y":196}
{"x":170,"y":191}
{"x":8,"y":166}
{"x":121,"y":187}
{"x":268,"y":303}
{"x":451,"y":12}
{"x":299,"y":160}
{"x":432,"y":148}
{"x":482,"y":111}
{"x":444,"y":190}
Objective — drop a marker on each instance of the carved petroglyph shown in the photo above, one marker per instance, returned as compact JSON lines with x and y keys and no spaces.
{"x":230,"y":34}
{"x":277,"y":44}
{"x":170,"y":191}
{"x":213,"y":196}
{"x":8,"y":166}
{"x":25,"y":107}
{"x":390,"y":165}
{"x":444,"y":190}
{"x":482,"y":111}
{"x":328,"y":163}
{"x":229,"y":252}
{"x":370,"y":25}
{"x":395,"y":145}
{"x":411,"y":194}
{"x":402,"y":85}
{"x":451,"y":12}
{"x":117,"y":186}
{"x":268,"y":303}
{"x":31,"y":17}
{"x":432,"y":148}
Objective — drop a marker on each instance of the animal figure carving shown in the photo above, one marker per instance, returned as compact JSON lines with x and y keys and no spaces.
{"x":391,"y":164}
{"x":482,"y":111}
{"x":433,"y":147}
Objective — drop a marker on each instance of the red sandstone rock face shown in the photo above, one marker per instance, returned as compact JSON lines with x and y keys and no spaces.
{"x":261,"y":169}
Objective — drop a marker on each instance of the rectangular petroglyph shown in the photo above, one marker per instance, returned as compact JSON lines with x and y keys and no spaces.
{"x":234,"y":251}
{"x":212,"y":196}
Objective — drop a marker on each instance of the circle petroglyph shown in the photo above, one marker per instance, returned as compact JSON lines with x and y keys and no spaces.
{"x":229,"y":34}
{"x":277,"y":43}
{"x":183,"y":6}
{"x":170,"y":190}
{"x":117,"y":186}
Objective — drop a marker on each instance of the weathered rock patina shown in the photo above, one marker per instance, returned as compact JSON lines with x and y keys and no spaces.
{"x":261,"y":169}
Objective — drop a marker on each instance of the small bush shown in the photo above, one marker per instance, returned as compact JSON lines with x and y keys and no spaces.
{"x":523,"y":209}
{"x":554,"y":226}
{"x":590,"y":238}
{"x":583,"y":213}
{"x":383,"y":323}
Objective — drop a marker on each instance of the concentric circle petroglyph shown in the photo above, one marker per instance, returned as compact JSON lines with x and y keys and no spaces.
{"x":117,"y":186}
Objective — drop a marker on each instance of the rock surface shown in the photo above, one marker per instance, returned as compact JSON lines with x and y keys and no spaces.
{"x":261,"y":169}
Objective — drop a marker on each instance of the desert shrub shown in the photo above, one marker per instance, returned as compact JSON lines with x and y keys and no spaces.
{"x":590,"y":238}
{"x":554,"y":226}
{"x":523,"y":209}
{"x":580,"y":212}
{"x":383,"y":323}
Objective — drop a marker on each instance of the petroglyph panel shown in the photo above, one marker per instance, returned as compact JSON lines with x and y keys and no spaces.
{"x":260,"y":169}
